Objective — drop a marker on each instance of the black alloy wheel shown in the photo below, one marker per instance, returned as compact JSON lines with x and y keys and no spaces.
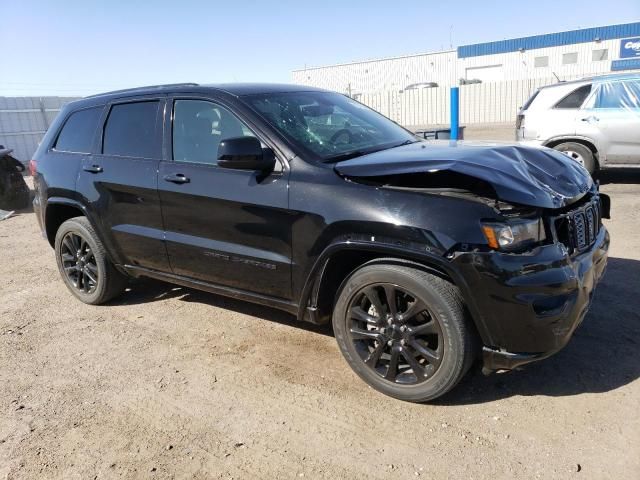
{"x":79,"y":263}
{"x":395,"y":334}
{"x":403,"y":330}
{"x":84,"y":264}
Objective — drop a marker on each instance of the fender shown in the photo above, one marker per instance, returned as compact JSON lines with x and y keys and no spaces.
{"x":567,"y":138}
{"x":92,"y":220}
{"x":434,"y":264}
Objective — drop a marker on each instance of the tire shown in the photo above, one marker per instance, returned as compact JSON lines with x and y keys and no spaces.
{"x":77,"y":238}
{"x":446,"y":335}
{"x":579,"y":153}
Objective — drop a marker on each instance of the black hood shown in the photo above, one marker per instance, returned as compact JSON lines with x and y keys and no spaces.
{"x":538,"y":177}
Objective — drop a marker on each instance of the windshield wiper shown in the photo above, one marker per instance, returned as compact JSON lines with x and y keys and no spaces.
{"x":358,"y":153}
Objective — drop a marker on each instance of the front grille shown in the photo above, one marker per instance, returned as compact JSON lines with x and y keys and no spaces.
{"x":578,"y":229}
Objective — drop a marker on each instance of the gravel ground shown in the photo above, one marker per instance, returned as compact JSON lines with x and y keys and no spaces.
{"x":168,"y":382}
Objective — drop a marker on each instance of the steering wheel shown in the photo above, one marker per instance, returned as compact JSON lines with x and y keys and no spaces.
{"x":339,"y":133}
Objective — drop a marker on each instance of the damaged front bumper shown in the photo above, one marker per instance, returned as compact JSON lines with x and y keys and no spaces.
{"x":530,"y":304}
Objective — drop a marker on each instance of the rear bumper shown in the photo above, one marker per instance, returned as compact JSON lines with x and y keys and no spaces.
{"x":531,"y":303}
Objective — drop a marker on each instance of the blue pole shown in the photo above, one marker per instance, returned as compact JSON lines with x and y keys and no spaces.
{"x":455,"y":112}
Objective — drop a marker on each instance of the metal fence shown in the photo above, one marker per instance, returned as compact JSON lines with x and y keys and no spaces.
{"x":495,"y":102}
{"x":24,"y":121}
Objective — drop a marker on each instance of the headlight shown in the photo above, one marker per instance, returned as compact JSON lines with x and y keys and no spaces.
{"x":514,"y":234}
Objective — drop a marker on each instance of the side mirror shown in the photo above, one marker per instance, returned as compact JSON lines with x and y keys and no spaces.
{"x":245,"y":153}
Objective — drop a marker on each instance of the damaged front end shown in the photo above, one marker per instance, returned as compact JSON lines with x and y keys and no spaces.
{"x":530,"y":283}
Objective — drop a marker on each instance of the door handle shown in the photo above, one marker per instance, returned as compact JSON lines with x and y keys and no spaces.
{"x":176,"y":178}
{"x":92,"y":168}
{"x":590,"y":119}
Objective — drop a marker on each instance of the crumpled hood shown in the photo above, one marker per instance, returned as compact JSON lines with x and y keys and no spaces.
{"x":538,"y":177}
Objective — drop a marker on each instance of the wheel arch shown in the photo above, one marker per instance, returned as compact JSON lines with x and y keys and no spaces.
{"x":340,"y":260}
{"x":58,"y":211}
{"x":590,"y":144}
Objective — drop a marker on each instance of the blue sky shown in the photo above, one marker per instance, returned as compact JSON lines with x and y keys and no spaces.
{"x":80,"y":47}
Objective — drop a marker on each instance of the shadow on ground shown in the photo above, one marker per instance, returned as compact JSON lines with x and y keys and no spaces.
{"x":619,"y":175}
{"x":603,"y":355}
{"x":147,"y":290}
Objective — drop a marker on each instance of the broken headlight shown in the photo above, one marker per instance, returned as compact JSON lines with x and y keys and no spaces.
{"x":514,"y":234}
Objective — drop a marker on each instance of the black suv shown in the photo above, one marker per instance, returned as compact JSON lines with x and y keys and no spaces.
{"x":424,"y":255}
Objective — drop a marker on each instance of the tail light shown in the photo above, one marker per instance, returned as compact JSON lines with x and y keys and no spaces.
{"x":33,"y":167}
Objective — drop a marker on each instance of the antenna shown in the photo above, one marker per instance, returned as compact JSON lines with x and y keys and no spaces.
{"x":557,"y":77}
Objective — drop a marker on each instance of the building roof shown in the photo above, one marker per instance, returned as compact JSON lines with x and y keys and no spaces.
{"x":550,"y":40}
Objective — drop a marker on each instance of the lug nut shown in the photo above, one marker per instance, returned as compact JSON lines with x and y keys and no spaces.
{"x":402,"y":342}
{"x":389,"y":343}
{"x":403,"y":328}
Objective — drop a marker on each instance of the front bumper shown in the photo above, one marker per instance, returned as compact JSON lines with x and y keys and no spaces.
{"x":530,"y":304}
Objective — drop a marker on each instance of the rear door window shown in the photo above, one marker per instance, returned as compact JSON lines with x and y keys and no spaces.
{"x":576,"y":98}
{"x":131,"y":130}
{"x":79,"y":131}
{"x":624,"y":95}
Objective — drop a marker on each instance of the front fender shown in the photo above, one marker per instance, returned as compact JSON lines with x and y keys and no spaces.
{"x":390,"y":250}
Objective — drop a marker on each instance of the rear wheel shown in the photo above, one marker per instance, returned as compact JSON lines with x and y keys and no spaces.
{"x":83,"y":263}
{"x":579,"y":153}
{"x":403,"y":331}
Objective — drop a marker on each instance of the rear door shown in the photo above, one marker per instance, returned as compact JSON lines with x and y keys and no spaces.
{"x":226,"y":227}
{"x":120,"y":182}
{"x":614,"y":117}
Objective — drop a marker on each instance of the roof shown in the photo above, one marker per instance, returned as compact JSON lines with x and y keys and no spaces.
{"x":236,"y":89}
{"x":596,"y":79}
{"x":550,"y":40}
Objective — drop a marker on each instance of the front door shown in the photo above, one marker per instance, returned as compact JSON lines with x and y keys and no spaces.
{"x":120,"y":183}
{"x":222,"y":226}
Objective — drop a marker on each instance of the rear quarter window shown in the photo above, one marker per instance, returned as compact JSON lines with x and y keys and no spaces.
{"x":575,"y":99}
{"x":530,"y":101}
{"x":78,"y":132}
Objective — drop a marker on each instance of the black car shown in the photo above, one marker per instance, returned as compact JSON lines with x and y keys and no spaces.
{"x":424,"y":255}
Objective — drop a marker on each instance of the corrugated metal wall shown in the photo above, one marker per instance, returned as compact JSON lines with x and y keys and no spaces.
{"x":24,"y":121}
{"x":385,"y":74}
{"x":519,"y":65}
{"x":496,"y":102}
{"x":586,"y":52}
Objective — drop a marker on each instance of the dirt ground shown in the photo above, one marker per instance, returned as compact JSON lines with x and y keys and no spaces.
{"x":168,"y":382}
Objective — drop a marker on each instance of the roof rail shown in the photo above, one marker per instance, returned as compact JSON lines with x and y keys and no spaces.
{"x":137,"y":89}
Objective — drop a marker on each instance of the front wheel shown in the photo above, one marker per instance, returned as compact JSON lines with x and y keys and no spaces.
{"x":83,"y":263}
{"x":403,"y":331}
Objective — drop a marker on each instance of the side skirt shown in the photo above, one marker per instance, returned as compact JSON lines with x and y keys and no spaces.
{"x":266,"y":300}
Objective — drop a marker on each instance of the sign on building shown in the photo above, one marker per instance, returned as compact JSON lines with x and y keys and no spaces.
{"x":630,"y":47}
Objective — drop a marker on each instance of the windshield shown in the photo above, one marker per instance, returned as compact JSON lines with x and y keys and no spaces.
{"x":331,"y":126}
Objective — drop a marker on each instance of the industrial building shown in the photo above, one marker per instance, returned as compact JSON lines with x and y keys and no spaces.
{"x":563,"y":56}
